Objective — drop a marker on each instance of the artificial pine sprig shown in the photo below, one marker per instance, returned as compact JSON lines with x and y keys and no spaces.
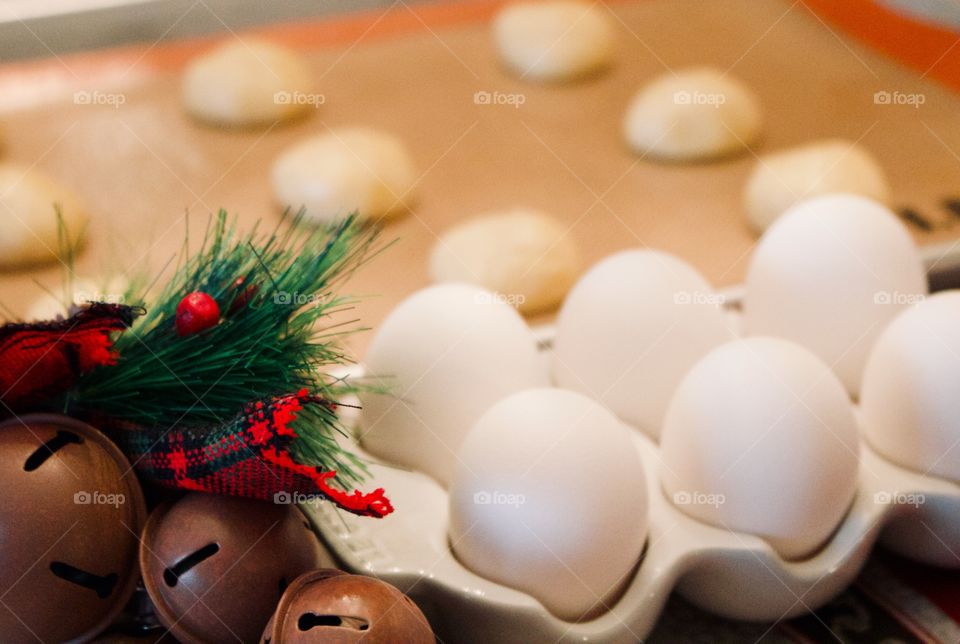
{"x":276,"y":295}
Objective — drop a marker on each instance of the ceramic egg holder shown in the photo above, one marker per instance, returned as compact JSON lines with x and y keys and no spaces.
{"x":732,"y":574}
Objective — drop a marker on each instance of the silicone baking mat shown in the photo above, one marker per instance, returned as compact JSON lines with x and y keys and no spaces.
{"x":415,"y":70}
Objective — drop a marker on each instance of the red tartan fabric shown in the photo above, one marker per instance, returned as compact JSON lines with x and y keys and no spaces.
{"x":39,"y":361}
{"x":249,"y":458}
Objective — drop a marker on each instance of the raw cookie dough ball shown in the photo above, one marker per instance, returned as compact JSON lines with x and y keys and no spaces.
{"x":246,"y":83}
{"x":784,"y":178}
{"x":693,"y":114}
{"x":524,"y":255}
{"x":28,"y":207}
{"x":345,"y":170}
{"x":557,"y":40}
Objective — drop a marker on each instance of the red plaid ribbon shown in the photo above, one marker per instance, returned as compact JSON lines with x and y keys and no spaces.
{"x":39,"y":361}
{"x":248,"y":457}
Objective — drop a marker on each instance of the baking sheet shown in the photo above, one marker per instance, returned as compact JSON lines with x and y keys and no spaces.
{"x":143,"y":165}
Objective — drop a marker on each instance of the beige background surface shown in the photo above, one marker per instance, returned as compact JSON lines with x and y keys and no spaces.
{"x":143,"y":165}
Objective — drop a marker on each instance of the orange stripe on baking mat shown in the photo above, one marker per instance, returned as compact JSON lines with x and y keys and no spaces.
{"x":23,"y":83}
{"x":932,"y":50}
{"x":311,"y":33}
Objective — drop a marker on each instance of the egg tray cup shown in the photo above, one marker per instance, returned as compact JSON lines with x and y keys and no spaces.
{"x":732,"y":574}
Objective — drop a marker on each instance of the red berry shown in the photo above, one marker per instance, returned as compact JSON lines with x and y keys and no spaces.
{"x":196,"y":312}
{"x":242,"y":295}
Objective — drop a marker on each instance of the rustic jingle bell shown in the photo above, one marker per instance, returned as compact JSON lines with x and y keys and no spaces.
{"x":332,"y":607}
{"x":70,"y":519}
{"x":216,"y":566}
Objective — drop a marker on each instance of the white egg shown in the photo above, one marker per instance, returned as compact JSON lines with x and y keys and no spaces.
{"x":631,"y":328}
{"x":444,"y":355}
{"x":549,"y":497}
{"x":830,"y":274}
{"x":761,"y":438}
{"x":909,"y":401}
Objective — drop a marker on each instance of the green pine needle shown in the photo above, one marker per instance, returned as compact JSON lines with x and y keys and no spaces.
{"x":274,"y":343}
